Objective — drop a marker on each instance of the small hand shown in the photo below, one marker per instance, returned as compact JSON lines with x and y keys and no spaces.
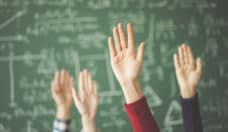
{"x":188,"y":71}
{"x":86,"y":101}
{"x":61,"y":93}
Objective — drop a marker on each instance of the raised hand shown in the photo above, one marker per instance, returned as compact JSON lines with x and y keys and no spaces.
{"x":126,"y":62}
{"x":188,"y":71}
{"x":86,"y":101}
{"x":61,"y":93}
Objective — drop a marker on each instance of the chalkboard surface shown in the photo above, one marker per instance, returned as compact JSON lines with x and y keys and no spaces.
{"x":38,"y":37}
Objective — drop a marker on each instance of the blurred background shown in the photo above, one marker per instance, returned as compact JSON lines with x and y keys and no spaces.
{"x":38,"y":37}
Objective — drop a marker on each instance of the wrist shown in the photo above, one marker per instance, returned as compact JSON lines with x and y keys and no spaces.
{"x":132,"y":90}
{"x":187,"y":93}
{"x":89,"y":124}
{"x":63,"y":113}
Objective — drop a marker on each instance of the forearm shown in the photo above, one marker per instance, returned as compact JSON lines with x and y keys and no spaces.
{"x":191,"y":114}
{"x":140,"y":116}
{"x":187,"y":92}
{"x":62,"y":121}
{"x":89,"y":125}
{"x":132,"y":90}
{"x":63,"y":113}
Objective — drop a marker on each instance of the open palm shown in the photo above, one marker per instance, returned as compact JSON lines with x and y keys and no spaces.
{"x":61,"y":89}
{"x":188,"y":71}
{"x":86,"y":100}
{"x":126,"y":62}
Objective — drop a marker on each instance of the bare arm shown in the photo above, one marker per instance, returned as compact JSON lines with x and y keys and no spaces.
{"x":86,"y":101}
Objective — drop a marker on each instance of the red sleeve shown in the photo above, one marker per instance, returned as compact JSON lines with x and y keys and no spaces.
{"x":140,"y":116}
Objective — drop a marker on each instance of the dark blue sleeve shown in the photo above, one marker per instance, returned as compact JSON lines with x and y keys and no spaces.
{"x":191,"y":114}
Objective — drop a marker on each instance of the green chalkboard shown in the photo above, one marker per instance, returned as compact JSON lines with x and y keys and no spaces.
{"x":38,"y":37}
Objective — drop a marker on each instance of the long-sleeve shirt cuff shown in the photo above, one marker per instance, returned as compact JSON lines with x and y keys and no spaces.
{"x":191,"y":114}
{"x":140,"y":116}
{"x":61,"y":125}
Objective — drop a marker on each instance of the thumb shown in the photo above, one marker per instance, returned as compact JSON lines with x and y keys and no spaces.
{"x":140,"y":52}
{"x":75,"y":97}
{"x":199,"y":65}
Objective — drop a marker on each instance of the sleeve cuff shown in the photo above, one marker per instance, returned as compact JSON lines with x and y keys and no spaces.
{"x":61,"y":125}
{"x":136,"y":106}
{"x":192,"y":100}
{"x":191,"y":114}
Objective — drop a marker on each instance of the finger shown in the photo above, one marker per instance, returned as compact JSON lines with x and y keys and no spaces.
{"x":58,"y":78}
{"x":81,"y":83}
{"x":89,"y":83}
{"x":112,"y":48}
{"x":66,"y":80}
{"x":140,"y":52}
{"x":75,"y":96}
{"x":71,"y":82}
{"x":55,"y":88}
{"x":190,"y":56}
{"x":122,"y":36}
{"x":117,"y":39}
{"x":70,"y":85}
{"x":52,"y":87}
{"x":95,"y":93}
{"x":181,"y":56}
{"x":199,"y":65}
{"x":61,"y":78}
{"x":130,"y":34}
{"x":86,"y":81}
{"x":94,"y":90}
{"x":184,"y":48}
{"x":176,"y":61}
